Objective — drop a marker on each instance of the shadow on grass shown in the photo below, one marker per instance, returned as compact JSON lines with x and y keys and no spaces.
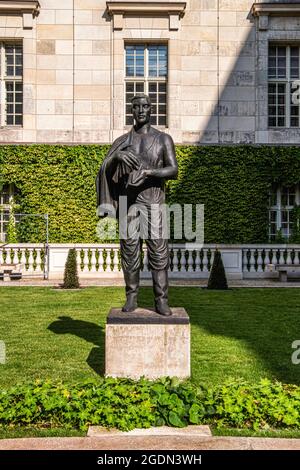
{"x":90,"y":332}
{"x":264,"y":322}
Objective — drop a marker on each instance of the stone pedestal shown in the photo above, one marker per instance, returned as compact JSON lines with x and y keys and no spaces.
{"x":144,"y":343}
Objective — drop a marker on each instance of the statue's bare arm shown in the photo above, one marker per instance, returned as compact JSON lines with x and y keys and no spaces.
{"x":170,"y":169}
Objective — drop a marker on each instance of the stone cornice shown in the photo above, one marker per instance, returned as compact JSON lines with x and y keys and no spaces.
{"x":278,"y":9}
{"x":263,"y":10}
{"x":117,"y":9}
{"x":140,"y":7}
{"x":19,"y":6}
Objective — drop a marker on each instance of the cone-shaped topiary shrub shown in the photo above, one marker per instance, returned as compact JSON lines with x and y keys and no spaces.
{"x":217,"y":278}
{"x":70,"y":275}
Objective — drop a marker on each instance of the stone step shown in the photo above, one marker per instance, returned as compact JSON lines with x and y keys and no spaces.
{"x":193,"y":431}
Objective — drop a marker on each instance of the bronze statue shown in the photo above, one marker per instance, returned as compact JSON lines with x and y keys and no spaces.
{"x":136,"y":167}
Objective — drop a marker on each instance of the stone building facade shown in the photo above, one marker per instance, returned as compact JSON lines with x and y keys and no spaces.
{"x":224,"y":57}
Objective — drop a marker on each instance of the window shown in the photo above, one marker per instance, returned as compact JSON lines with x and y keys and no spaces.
{"x":282,"y":202}
{"x":11,"y":84}
{"x":283,"y":70}
{"x":146,"y":72}
{"x":6,"y":199}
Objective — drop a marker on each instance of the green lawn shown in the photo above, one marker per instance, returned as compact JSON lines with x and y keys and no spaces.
{"x":59,"y":334}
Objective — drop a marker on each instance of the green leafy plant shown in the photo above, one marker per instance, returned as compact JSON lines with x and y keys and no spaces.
{"x":259,"y":406}
{"x":217,"y":278}
{"x":71,"y":274}
{"x":126,"y":404}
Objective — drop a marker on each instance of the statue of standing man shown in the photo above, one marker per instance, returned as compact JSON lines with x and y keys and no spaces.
{"x":136,"y":167}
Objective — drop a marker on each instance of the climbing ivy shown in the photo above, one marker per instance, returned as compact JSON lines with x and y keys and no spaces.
{"x":58,"y":180}
{"x":233,"y":183}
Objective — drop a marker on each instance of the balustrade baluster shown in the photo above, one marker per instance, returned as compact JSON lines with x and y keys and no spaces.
{"x":93,"y":261}
{"x":190,"y":261}
{"x":269,"y":258}
{"x":30,"y":260}
{"x":281,"y":256}
{"x":101,"y":260}
{"x":175,"y":260}
{"x":297,"y":257}
{"x":12,"y":256}
{"x":252,"y":260}
{"x":108,"y":260}
{"x":205,"y":260}
{"x":197,"y":262}
{"x":288,"y":256}
{"x":116,"y":260}
{"x":245,"y":260}
{"x":259,"y":260}
{"x":85,"y":260}
{"x":38,"y":260}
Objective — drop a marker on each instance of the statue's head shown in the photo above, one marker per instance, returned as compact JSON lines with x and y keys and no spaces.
{"x":141,"y":108}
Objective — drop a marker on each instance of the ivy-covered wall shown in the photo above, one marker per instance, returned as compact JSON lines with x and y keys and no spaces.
{"x":58,"y":180}
{"x":233,"y":182}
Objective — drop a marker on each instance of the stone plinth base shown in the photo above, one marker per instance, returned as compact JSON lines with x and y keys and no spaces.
{"x":144,"y":343}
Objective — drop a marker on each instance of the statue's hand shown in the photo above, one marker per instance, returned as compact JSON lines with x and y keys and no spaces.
{"x":138,"y":177}
{"x":128,"y":158}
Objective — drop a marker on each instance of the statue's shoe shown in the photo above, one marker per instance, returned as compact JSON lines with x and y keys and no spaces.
{"x":130,"y":306}
{"x":162,"y":307}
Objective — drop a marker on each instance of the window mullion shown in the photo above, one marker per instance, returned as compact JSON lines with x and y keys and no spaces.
{"x":134,"y":63}
{"x":288,"y":63}
{"x":146,"y":71}
{"x":288,"y":87}
{"x":3,"y":88}
{"x":278,"y":208}
{"x":287,"y":104}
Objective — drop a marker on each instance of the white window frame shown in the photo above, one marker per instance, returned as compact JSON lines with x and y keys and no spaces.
{"x":146,"y":79}
{"x":287,"y":81}
{"x":3,"y":79}
{"x":278,"y":208}
{"x":5,"y":207}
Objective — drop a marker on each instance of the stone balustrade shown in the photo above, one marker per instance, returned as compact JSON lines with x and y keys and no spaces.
{"x":31,"y":257}
{"x":186,"y":260}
